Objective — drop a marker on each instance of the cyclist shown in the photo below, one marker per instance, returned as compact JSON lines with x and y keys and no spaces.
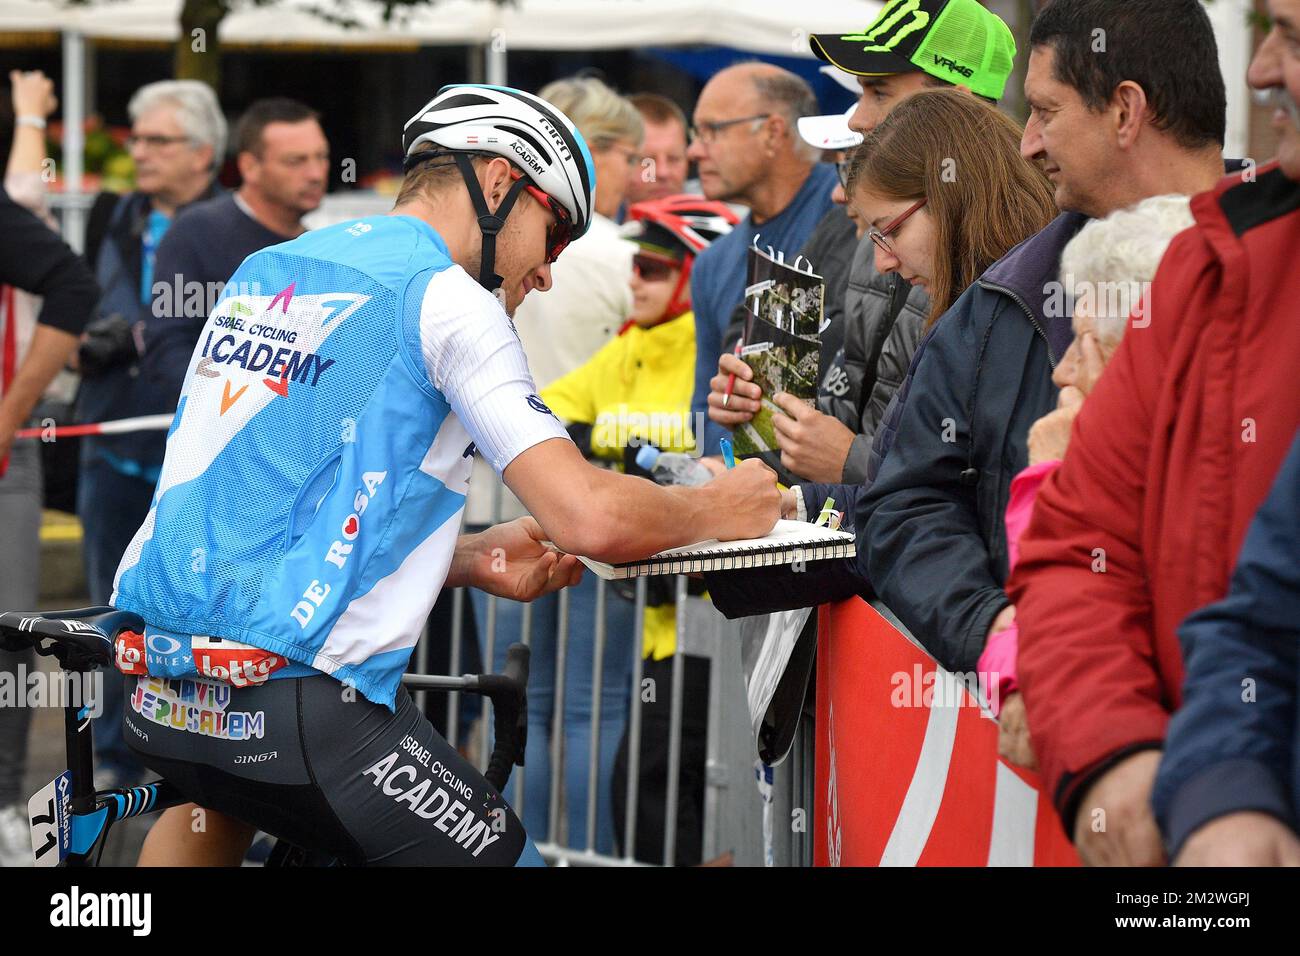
{"x":309,"y":503}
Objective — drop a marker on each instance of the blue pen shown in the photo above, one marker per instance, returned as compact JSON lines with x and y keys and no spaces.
{"x":728,"y":455}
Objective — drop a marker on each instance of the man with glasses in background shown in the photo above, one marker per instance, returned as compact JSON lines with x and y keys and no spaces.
{"x":178,"y":138}
{"x":886,"y":62}
{"x":747,"y":149}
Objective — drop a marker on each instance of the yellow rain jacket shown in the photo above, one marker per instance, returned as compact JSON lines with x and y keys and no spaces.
{"x":638,"y":385}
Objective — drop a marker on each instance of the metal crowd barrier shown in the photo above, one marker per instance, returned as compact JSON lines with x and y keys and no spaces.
{"x":734,"y":812}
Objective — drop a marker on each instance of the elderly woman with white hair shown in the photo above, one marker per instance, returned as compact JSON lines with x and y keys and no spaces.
{"x":1106,"y":271}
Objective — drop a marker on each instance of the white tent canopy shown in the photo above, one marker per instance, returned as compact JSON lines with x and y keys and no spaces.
{"x":758,"y":26}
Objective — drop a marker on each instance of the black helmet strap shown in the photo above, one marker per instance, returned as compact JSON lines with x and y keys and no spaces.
{"x":489,"y":223}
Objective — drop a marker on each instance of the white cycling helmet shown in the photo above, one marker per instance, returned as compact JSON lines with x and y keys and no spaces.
{"x":469,"y":118}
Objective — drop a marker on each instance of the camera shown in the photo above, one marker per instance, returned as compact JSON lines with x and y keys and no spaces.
{"x":108,"y":343}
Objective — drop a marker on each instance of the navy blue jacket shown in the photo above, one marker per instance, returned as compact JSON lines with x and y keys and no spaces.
{"x":1235,"y":743}
{"x":930,"y":530}
{"x":931,"y":534}
{"x":114,"y":251}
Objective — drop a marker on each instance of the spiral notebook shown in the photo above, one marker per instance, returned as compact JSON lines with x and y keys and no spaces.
{"x":787,"y":543}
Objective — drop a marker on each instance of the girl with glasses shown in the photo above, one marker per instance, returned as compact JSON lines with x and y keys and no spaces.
{"x":945,"y":193}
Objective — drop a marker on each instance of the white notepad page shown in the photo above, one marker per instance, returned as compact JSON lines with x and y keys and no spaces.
{"x":785,"y":536}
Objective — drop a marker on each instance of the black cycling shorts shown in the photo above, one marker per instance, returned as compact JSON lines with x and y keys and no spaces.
{"x":311,"y":761}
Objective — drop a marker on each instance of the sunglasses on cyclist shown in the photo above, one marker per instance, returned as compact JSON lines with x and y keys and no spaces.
{"x":652,"y":268}
{"x":881,"y":236}
{"x":559,"y":235}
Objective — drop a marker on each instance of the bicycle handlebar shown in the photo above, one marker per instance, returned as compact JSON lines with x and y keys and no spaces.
{"x":509,"y":694}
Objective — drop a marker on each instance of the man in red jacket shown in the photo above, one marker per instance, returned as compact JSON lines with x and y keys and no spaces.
{"x":1169,"y":460}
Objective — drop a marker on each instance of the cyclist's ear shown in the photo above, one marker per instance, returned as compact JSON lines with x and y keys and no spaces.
{"x":494,"y":177}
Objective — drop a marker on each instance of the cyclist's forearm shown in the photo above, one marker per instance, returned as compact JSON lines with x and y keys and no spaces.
{"x":463,"y":560}
{"x":636,"y":518}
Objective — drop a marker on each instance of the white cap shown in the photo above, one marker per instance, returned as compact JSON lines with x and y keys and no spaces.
{"x":829,"y":132}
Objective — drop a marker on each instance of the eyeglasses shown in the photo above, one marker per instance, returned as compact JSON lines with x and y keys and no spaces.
{"x":842,"y":173}
{"x":630,"y":156}
{"x":881,"y":236}
{"x":652,"y":268}
{"x":706,"y":133}
{"x":154,"y":142}
{"x":559,"y":235}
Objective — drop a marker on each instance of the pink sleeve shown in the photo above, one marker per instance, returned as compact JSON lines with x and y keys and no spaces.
{"x":1020,"y":505}
{"x":997,"y":665}
{"x":998,"y":661}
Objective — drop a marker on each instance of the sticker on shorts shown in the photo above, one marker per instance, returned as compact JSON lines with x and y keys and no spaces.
{"x":128,"y":653}
{"x":197,"y":707}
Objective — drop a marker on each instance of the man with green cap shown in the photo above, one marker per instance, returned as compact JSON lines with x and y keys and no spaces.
{"x":956,"y":42}
{"x":911,"y":46}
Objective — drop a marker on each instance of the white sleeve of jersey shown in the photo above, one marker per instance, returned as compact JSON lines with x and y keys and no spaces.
{"x":473,"y":356}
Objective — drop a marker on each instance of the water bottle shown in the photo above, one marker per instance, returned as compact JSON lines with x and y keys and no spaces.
{"x":672,"y":468}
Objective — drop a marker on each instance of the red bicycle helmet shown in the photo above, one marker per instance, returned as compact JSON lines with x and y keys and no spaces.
{"x":675,"y":229}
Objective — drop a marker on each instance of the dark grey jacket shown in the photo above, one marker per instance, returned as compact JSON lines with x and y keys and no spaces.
{"x":883,"y":322}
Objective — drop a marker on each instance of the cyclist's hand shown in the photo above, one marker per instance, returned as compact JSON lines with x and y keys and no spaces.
{"x":512,"y":562}
{"x":745,"y":501}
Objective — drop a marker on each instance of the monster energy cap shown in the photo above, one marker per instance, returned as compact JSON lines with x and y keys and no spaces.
{"x":955,"y":40}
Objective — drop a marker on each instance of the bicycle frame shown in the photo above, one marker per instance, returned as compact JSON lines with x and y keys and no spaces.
{"x":93,"y":812}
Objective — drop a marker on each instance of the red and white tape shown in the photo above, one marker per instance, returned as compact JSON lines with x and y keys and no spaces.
{"x":142,"y":423}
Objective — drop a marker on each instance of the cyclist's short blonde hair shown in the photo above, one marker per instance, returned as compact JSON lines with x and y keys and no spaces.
{"x":601,"y":115}
{"x":427,"y":180}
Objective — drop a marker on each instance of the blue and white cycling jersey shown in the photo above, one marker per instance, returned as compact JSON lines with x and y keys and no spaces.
{"x":317,"y":466}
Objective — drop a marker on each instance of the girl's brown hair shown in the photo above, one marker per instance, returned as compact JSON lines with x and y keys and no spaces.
{"x":962,"y":156}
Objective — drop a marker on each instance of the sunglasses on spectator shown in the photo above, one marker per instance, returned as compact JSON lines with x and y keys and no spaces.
{"x":652,"y":268}
{"x":881,"y":236}
{"x":560,"y":233}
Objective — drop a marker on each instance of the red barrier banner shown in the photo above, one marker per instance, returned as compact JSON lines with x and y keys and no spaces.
{"x":908,"y":772}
